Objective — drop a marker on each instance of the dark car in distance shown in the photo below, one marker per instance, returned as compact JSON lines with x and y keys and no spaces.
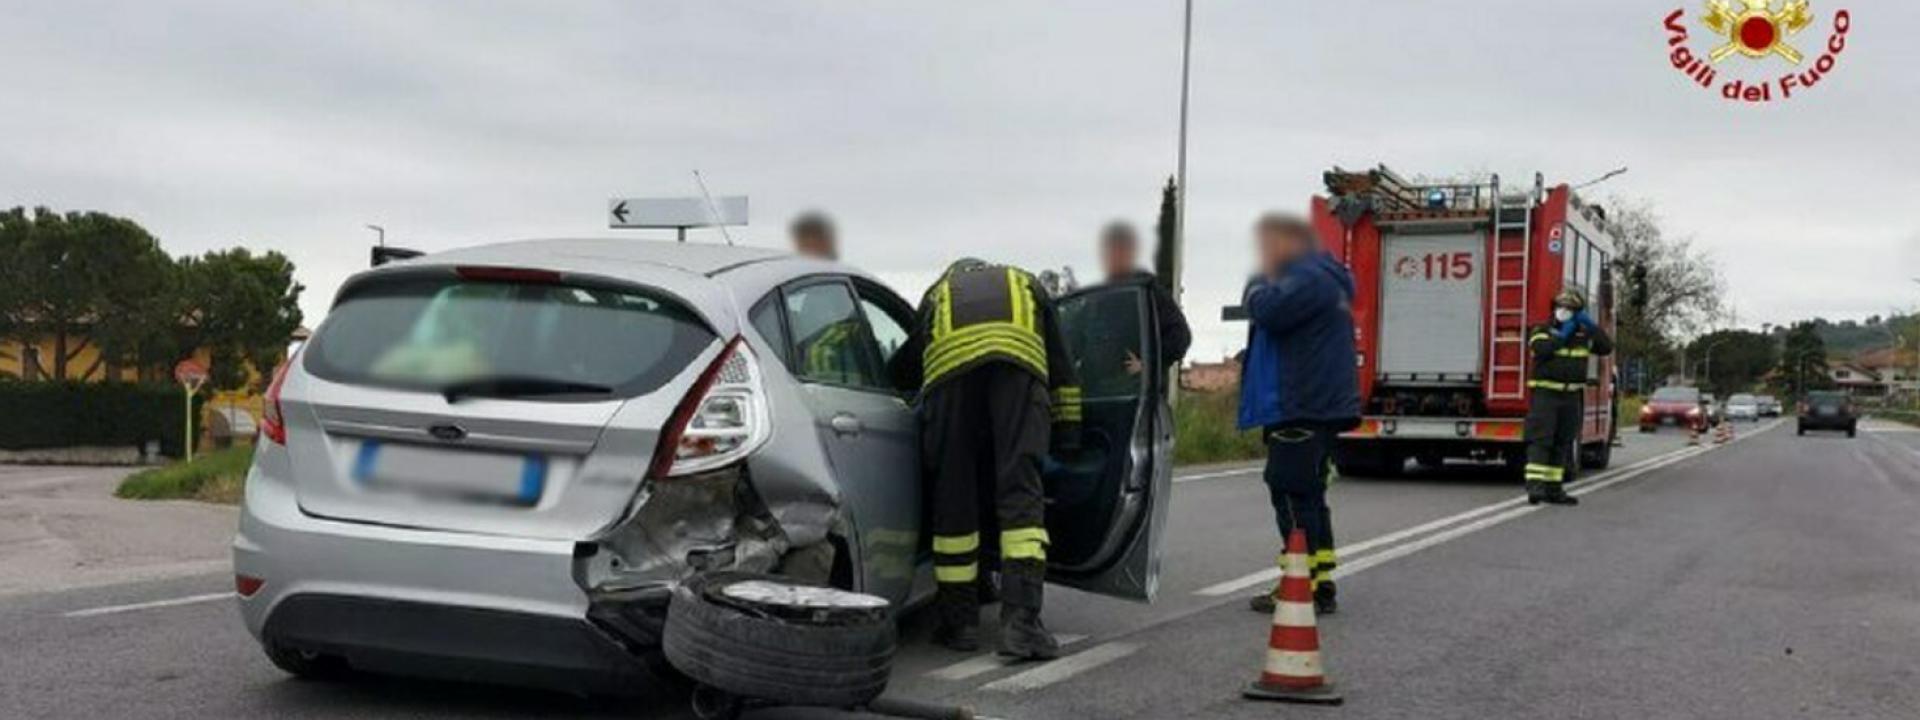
{"x":1828,"y":410}
{"x":1674,"y":405}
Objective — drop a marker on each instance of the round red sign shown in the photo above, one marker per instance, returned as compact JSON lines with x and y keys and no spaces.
{"x":190,"y":372}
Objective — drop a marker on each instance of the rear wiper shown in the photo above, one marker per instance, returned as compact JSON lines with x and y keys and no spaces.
{"x":504,"y":386}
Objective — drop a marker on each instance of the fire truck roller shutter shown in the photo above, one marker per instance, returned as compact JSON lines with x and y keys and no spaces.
{"x":1432,"y":292}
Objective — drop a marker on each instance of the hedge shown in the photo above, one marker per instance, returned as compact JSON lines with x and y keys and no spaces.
{"x":36,"y":415}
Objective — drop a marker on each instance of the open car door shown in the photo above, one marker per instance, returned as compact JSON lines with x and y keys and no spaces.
{"x":1107,"y":503}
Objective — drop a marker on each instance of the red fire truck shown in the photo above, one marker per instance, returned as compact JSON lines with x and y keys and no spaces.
{"x":1450,"y":278}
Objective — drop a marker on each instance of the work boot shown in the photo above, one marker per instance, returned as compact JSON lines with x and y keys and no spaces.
{"x":987,"y":588}
{"x":1022,"y":588}
{"x":1023,"y":636}
{"x":957,"y":617}
{"x":1535,"y":493}
{"x":1557,"y":495}
{"x":1325,"y":599}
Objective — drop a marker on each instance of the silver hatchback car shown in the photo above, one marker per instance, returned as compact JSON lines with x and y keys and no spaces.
{"x":496,"y":463}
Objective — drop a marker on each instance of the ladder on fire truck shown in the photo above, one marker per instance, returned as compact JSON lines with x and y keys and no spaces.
{"x":1507,"y":310}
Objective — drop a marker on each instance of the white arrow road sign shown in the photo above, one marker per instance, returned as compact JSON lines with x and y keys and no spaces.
{"x":691,"y":212}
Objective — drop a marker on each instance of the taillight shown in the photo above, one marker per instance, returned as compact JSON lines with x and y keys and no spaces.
{"x":722,"y":419}
{"x":273,"y":423}
{"x":1802,"y":408}
{"x":247,"y":585}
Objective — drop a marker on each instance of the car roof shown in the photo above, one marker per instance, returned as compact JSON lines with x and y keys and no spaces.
{"x":593,"y":254}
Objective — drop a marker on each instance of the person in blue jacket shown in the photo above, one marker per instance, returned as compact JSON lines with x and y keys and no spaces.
{"x":1298,"y":384}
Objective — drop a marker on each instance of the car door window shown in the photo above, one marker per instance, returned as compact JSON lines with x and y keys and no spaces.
{"x":765,"y":317}
{"x":829,"y":340}
{"x":889,"y":335}
{"x":889,"y":318}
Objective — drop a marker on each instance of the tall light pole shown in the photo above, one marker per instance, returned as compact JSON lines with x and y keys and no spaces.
{"x":1180,"y":182}
{"x":1180,"y":186}
{"x":380,"y":233}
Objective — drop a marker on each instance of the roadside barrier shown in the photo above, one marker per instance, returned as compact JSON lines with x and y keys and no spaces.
{"x":1293,"y":671}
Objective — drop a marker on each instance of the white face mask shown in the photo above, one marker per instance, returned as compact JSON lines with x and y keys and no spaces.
{"x":1562,"y":314}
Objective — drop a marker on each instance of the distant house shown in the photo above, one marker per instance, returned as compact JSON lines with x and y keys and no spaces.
{"x":1893,"y":368}
{"x":33,"y":359}
{"x":1211,"y":377}
{"x":1858,"y":382}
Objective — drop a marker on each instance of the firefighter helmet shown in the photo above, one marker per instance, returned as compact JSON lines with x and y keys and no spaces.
{"x":1570,"y":298}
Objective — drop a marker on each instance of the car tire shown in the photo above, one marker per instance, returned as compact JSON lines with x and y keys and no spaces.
{"x":1851,"y":431}
{"x":1596,"y":456}
{"x":832,"y":649}
{"x":1801,"y":430}
{"x":306,"y":664}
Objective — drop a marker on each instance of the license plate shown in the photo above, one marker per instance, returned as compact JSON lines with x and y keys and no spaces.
{"x":470,"y":475}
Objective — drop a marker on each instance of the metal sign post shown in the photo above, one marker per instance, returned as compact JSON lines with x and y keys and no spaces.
{"x":677,"y":214}
{"x":191,"y":375}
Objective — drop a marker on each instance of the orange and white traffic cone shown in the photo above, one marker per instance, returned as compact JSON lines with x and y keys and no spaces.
{"x":1723,"y":433}
{"x":1293,"y":672}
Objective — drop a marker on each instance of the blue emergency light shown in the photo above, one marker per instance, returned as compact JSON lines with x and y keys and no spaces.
{"x":1437,"y":199}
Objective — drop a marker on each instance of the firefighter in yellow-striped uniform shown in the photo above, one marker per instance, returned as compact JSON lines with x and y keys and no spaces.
{"x":999,"y":388}
{"x":1562,"y":351}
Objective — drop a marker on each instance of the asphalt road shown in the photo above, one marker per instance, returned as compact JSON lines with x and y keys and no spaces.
{"x":1775,"y":577}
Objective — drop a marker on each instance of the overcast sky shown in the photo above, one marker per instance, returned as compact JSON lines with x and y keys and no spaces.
{"x":1008,"y":129}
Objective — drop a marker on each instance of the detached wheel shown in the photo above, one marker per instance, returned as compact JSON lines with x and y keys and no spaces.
{"x":755,"y":637}
{"x":306,"y":664}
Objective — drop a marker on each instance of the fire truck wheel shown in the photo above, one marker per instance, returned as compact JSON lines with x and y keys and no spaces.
{"x":1596,"y":456}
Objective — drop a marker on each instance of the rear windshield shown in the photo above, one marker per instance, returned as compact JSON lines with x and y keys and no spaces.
{"x":576,"y":343}
{"x":1826,"y":398}
{"x":1743,"y":399}
{"x":1676,"y":394}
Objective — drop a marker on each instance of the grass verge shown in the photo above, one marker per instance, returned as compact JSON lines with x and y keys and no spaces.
{"x":1906,"y":416}
{"x":218,"y":477}
{"x":1204,"y":430}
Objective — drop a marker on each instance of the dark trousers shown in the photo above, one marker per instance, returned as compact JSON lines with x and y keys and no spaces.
{"x":985,"y":432}
{"x":1299,"y":469}
{"x":1553,"y":429}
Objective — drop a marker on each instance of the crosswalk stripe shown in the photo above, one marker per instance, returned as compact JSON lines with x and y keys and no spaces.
{"x":1062,"y":668}
{"x":983,"y":664}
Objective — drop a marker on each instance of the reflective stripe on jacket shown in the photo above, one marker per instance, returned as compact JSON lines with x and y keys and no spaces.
{"x":979,"y":313}
{"x":1561,"y":364}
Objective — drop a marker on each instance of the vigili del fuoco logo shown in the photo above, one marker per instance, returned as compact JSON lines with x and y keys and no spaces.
{"x":1749,"y":42}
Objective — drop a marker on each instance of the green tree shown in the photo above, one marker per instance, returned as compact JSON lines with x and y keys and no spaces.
{"x":86,"y":280}
{"x":1803,"y":361}
{"x":1740,"y":360}
{"x":1665,"y":289}
{"x":242,"y":307}
{"x":1163,"y":232}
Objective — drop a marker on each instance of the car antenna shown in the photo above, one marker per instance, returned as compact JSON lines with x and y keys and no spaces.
{"x":712,"y":209}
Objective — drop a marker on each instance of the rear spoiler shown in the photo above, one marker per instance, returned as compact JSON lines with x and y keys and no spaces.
{"x":383,"y":254}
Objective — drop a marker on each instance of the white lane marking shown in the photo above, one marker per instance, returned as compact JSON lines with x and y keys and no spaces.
{"x":982,"y":664}
{"x":149,"y":605}
{"x":1217,"y":474}
{"x":1268,"y":575}
{"x":1063,"y":668}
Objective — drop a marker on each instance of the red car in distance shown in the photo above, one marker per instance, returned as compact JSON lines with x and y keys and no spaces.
{"x":1680,"y":406}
